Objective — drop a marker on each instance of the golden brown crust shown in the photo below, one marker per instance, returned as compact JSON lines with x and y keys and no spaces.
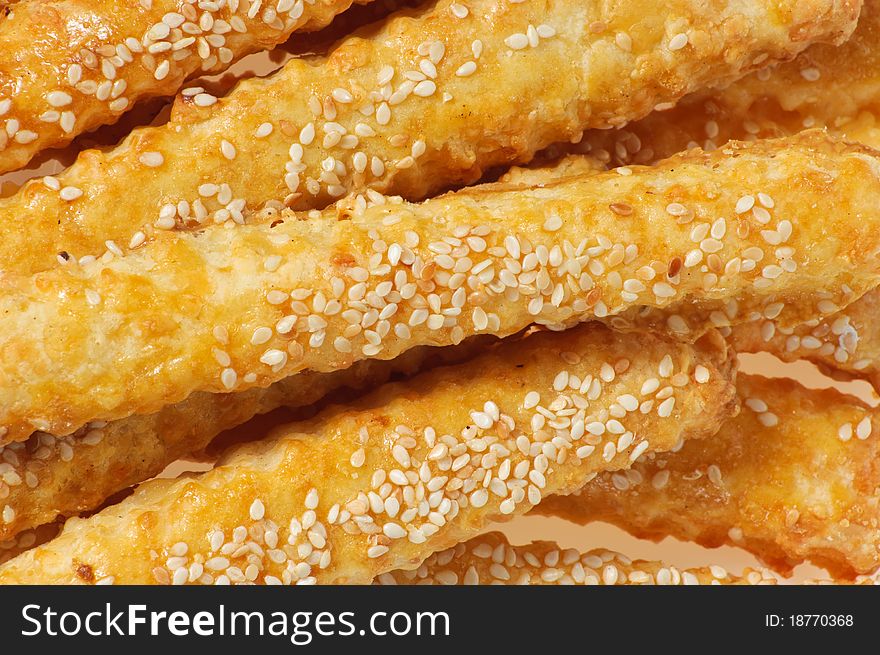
{"x":796,"y":476}
{"x":408,"y":470}
{"x":837,"y":87}
{"x":354,"y":120}
{"x":845,"y":344}
{"x":48,"y":477}
{"x":256,"y":304}
{"x":490,"y":559}
{"x":95,"y":60}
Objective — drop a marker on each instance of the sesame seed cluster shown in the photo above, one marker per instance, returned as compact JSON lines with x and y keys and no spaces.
{"x":828,"y":87}
{"x":41,"y":478}
{"x":490,"y":559}
{"x":137,"y":49}
{"x":422,"y":105}
{"x":322,"y":293}
{"x":392,"y":478}
{"x":764,"y":482}
{"x":845,"y":342}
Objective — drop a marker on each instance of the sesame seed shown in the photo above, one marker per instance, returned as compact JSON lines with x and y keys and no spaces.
{"x":152,"y":159}
{"x":517,"y":41}
{"x":678,"y":41}
{"x":358,"y":458}
{"x":273,"y":357}
{"x":229,"y":378}
{"x":393,"y":531}
{"x":466,"y":69}
{"x":660,"y":479}
{"x":811,"y":74}
{"x":70,"y":193}
{"x":744,"y":204}
{"x":342,"y":95}
{"x":383,"y":114}
{"x":756,"y":404}
{"x":257,"y":510}
{"x":376,"y":551}
{"x":227,"y":149}
{"x":204,"y":100}
{"x":768,"y":419}
{"x":553,"y":223}
{"x":162,"y":70}
{"x":68,"y":121}
{"x":665,"y":408}
{"x":137,"y":240}
{"x":25,"y":136}
{"x":425,"y":88}
{"x":59,"y":98}
{"x":264,"y":130}
{"x":261,"y":335}
{"x":458,"y":10}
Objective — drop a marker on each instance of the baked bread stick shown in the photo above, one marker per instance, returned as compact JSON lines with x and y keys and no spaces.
{"x":844,"y":345}
{"x":713,"y":238}
{"x":406,"y":109}
{"x":48,"y":477}
{"x":833,"y":87}
{"x":795,"y":477}
{"x":408,"y":470}
{"x":490,"y":560}
{"x":95,"y":60}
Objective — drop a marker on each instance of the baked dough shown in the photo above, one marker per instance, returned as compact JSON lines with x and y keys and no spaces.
{"x":408,"y":470}
{"x":490,"y":559}
{"x":836,"y":87}
{"x":796,"y":476}
{"x":427,"y":101}
{"x":712,"y":238}
{"x":95,"y":59}
{"x":845,"y":345}
{"x":46,"y":477}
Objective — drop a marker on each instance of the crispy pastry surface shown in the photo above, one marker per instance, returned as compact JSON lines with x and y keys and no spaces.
{"x":490,"y":559}
{"x":94,"y":60}
{"x":836,"y":87}
{"x":796,"y":476}
{"x":429,"y":100}
{"x":845,"y":345}
{"x":46,"y":477}
{"x":406,"y":471}
{"x":770,"y":225}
